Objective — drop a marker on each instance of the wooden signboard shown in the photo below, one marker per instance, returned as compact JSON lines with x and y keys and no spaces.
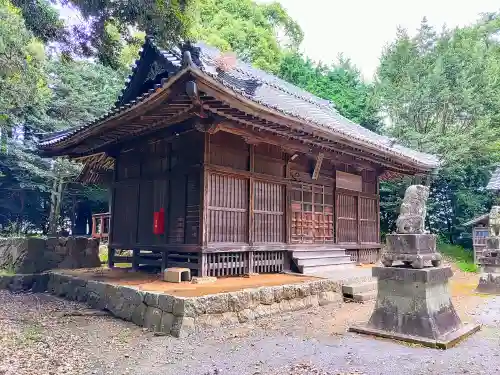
{"x":349,"y":181}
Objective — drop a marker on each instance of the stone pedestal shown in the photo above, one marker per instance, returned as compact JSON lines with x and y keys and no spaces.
{"x":414,"y":305}
{"x":412,"y":249}
{"x":489,"y":262}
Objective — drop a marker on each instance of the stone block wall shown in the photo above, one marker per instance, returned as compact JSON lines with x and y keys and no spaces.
{"x":34,"y":255}
{"x":178,"y":316}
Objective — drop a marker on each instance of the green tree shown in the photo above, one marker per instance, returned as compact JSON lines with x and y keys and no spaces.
{"x":441,"y":94}
{"x":257,"y":32}
{"x":340,"y":83}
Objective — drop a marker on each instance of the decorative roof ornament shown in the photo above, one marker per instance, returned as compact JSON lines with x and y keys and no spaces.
{"x":226,"y":61}
{"x":190,"y":54}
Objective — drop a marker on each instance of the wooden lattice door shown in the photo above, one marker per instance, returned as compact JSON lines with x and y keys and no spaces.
{"x":312,"y":213}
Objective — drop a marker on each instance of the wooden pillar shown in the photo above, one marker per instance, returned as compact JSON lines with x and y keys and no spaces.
{"x":251,"y":266}
{"x":111,"y":256}
{"x":135,"y":259}
{"x":251,"y":148}
{"x":94,"y":226}
{"x":358,"y":217}
{"x":288,"y":202}
{"x":202,"y":267}
{"x":164,"y":257}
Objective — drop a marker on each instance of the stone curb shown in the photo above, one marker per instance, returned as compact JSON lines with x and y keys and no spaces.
{"x":179,"y":316}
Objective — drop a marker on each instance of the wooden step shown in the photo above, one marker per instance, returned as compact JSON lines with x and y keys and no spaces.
{"x":316,"y":254}
{"x":314,"y":270}
{"x":314,"y":248}
{"x":323,"y":261}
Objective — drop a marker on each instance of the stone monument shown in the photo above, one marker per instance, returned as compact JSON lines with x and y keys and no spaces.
{"x":489,"y":261}
{"x":411,"y":244}
{"x":413,"y":301}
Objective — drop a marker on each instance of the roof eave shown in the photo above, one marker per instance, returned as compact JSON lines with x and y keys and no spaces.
{"x":335,"y":136}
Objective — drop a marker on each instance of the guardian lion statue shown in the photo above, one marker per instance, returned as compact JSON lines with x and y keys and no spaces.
{"x":494,"y":221}
{"x":413,"y":210}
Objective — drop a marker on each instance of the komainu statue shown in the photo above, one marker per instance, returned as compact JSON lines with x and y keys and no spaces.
{"x":413,"y":211}
{"x":494,"y":221}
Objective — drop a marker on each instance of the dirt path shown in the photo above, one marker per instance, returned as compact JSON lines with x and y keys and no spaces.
{"x":41,"y":334}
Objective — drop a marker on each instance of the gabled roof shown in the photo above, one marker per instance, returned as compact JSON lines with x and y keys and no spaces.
{"x":483,"y":218}
{"x":317,"y":116}
{"x":494,"y":183}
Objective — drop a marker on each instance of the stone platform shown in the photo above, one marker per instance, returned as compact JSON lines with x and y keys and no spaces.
{"x":414,"y":305}
{"x":175,"y":315}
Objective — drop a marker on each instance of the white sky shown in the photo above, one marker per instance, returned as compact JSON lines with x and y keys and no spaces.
{"x":361,"y":28}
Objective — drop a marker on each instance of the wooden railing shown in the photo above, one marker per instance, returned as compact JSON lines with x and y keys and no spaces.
{"x":100,"y":226}
{"x":479,"y":235}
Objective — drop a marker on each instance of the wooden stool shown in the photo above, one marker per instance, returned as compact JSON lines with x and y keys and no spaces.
{"x":176,"y":275}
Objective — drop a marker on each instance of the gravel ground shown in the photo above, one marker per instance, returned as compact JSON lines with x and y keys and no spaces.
{"x":41,"y":334}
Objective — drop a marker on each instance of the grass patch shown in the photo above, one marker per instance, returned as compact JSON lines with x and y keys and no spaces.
{"x":103,"y":256}
{"x":464,"y":259}
{"x":30,"y":335}
{"x":7,"y":271}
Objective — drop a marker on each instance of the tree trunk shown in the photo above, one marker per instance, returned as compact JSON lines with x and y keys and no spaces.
{"x":55,"y":207}
{"x":53,"y":204}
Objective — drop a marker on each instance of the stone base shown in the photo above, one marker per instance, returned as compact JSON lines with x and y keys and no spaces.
{"x":176,"y":275}
{"x":422,"y":243}
{"x":412,"y":249}
{"x":489,"y":283}
{"x":415,"y":304}
{"x":493,"y":243}
{"x":180,"y":316}
{"x":445,"y":342}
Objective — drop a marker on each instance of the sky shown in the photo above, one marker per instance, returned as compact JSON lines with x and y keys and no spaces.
{"x":362,"y":28}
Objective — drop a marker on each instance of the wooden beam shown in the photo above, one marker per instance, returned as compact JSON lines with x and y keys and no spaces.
{"x":215,"y":89}
{"x":317,"y":166}
{"x":289,"y":144}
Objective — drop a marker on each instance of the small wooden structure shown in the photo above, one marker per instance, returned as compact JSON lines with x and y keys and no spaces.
{"x":225,"y":169}
{"x":480,"y":232}
{"x":480,"y":224}
{"x":100,"y":226}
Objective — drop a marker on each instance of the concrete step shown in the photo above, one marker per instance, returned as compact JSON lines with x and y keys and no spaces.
{"x":352,"y":289}
{"x":365,"y":296}
{"x":317,"y":254}
{"x":316,"y":270}
{"x":323,"y":261}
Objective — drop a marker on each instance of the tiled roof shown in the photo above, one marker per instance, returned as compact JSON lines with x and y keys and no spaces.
{"x":284,"y":97}
{"x":274,"y":93}
{"x":476,"y":220}
{"x":494,"y":183}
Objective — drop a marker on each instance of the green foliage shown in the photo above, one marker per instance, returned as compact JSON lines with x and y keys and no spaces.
{"x":248,"y":28}
{"x":464,"y":259}
{"x":340,"y":83}
{"x":441,"y":92}
{"x":22,"y":60}
{"x":109,"y":24}
{"x":42,"y":19}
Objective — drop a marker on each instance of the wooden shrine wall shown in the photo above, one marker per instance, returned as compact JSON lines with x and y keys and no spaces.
{"x":245,"y":205}
{"x":255,"y":197}
{"x":154,"y":174}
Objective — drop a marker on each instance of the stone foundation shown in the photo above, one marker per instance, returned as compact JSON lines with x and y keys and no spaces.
{"x":414,"y":305}
{"x":179,"y":316}
{"x":34,"y":255}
